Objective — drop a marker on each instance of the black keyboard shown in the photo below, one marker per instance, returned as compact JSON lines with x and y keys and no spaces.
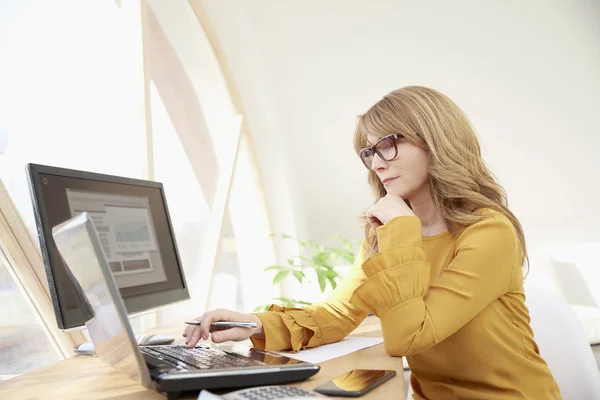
{"x":184,"y":358}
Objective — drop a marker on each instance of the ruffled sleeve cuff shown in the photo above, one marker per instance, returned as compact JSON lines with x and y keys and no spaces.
{"x":274,"y":328}
{"x":287,"y":328}
{"x":392,"y":286}
{"x":399,"y":272}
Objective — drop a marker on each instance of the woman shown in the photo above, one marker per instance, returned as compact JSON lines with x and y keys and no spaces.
{"x":441,"y":265}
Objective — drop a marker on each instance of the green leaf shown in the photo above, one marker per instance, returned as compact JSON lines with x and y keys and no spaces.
{"x":322,"y":280}
{"x":331,"y":273}
{"x":302,"y":258}
{"x":332,"y":282}
{"x":275,"y":267}
{"x":299,"y":275}
{"x":288,"y":303}
{"x":320,"y":258}
{"x":280,"y":275}
{"x":285,"y":301}
{"x":347,"y":255}
{"x":312,"y":243}
{"x":291,"y":302}
{"x":327,"y":270}
{"x":262,"y":308}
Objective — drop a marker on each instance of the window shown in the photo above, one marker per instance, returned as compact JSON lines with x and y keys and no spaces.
{"x":23,"y":343}
{"x":195,"y":132}
{"x":188,"y":207}
{"x":251,"y":227}
{"x":246,"y":248}
{"x":74,"y":95}
{"x":226,"y":290}
{"x":71,"y":92}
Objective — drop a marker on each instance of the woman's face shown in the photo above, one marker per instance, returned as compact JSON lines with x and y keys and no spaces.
{"x":407,"y":174}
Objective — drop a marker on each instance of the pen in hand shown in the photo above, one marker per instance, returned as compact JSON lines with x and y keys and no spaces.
{"x":233,"y":326}
{"x":223,"y":325}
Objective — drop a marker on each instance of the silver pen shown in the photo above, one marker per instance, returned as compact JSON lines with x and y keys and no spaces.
{"x":222,"y":325}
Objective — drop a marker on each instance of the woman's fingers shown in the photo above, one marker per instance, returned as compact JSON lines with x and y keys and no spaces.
{"x":193,"y":336}
{"x":193,"y":333}
{"x":235,"y":334}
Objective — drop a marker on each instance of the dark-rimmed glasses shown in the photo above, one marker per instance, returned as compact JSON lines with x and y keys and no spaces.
{"x":386,"y":148}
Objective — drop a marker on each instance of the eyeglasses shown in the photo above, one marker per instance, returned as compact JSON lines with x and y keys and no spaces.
{"x":385,"y":148}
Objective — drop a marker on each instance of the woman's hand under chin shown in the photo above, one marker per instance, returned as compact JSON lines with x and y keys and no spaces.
{"x":387,"y":208}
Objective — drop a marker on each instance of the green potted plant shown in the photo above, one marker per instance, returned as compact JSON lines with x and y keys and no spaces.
{"x":324,"y":260}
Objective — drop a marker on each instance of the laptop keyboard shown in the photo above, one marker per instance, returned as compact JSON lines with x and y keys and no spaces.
{"x":198,"y":357}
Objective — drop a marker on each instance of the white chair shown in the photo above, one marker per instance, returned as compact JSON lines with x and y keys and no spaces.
{"x":567,"y":281}
{"x":563,"y":344}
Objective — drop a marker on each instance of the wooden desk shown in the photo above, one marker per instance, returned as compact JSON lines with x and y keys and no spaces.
{"x":85,"y":377}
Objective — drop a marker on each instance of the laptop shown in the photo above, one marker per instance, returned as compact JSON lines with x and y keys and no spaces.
{"x":167,"y":368}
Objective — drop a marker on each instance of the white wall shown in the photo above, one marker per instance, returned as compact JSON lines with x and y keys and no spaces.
{"x":526,"y":73}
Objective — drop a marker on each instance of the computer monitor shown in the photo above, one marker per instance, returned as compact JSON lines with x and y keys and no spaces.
{"x":133,"y":224}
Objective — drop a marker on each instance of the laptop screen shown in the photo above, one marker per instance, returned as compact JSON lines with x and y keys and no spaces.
{"x":106,"y":319}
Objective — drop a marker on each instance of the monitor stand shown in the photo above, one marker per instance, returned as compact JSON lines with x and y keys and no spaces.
{"x":87,"y":348}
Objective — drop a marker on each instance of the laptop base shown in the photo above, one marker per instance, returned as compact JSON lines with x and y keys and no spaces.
{"x":174,"y":390}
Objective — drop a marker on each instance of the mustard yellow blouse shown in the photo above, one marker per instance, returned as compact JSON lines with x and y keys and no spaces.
{"x":452,"y":304}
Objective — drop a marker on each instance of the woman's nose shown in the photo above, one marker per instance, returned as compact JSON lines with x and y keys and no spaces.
{"x":378,"y":163}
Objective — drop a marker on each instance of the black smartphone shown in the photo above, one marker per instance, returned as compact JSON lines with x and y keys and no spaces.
{"x":355,"y":383}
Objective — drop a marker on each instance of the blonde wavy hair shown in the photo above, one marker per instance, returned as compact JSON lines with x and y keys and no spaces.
{"x":459,"y":179}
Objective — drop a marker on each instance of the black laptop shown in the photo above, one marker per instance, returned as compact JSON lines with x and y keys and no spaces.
{"x":171,"y":368}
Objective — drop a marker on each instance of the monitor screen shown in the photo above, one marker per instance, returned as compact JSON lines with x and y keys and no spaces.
{"x":134,"y":227}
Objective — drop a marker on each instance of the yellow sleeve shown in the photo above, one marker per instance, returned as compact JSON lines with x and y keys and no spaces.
{"x":414,"y":316}
{"x":321,"y":323}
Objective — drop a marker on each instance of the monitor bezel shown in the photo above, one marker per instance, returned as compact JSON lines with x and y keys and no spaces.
{"x":134,"y":305}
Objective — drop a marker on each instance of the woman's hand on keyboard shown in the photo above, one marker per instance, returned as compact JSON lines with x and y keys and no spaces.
{"x":193,"y":333}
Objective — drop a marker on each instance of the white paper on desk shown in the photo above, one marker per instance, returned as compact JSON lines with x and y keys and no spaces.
{"x":334,"y":350}
{"x":206,"y":395}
